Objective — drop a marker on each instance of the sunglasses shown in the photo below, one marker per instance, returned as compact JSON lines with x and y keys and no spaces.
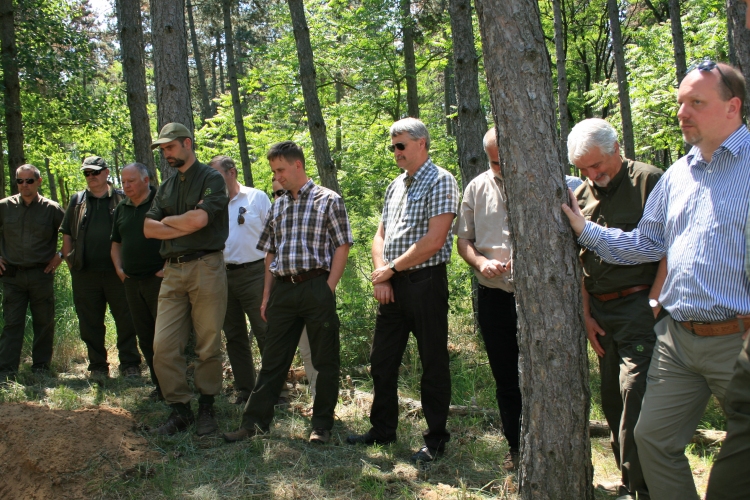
{"x":708,"y":65}
{"x":278,"y":192}
{"x":87,"y":173}
{"x":27,"y":181}
{"x":399,"y":145}
{"x":241,"y":218}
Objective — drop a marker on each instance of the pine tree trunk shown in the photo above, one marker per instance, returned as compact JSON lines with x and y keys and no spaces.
{"x":316,"y":124}
{"x":205,"y":106}
{"x":12,"y":92}
{"x":741,"y":42}
{"x":222,"y":85}
{"x":561,"y":57}
{"x":678,"y":42}
{"x":51,"y":181}
{"x":623,"y":91}
{"x":410,"y":64}
{"x":239,"y":122}
{"x":133,"y":69}
{"x":472,"y":124}
{"x":338,"y":150}
{"x":3,"y":193}
{"x":171,"y":78}
{"x":553,"y":362}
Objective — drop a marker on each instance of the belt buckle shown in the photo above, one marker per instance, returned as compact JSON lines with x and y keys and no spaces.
{"x":291,"y":278}
{"x":179,"y":259}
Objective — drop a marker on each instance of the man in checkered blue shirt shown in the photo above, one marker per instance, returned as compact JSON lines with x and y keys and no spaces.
{"x":410,"y":251}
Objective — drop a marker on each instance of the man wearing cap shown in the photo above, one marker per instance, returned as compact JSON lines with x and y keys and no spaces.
{"x":137,"y":260}
{"x":86,"y":229}
{"x":28,"y":259}
{"x":248,"y":208}
{"x":189,"y":215}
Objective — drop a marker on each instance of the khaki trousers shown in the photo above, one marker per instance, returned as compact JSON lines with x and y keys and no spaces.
{"x":196,"y":291}
{"x":685,"y":370}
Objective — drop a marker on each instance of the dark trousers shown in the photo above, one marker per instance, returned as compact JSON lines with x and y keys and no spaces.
{"x":498,"y":325}
{"x":628,"y":344}
{"x":92,"y":291}
{"x":143,"y":301}
{"x":290,"y":308}
{"x":29,"y":288}
{"x":420,"y":307}
{"x":244,"y":297}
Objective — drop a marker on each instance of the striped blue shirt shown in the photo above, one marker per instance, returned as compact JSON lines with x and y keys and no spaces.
{"x":696,"y":216}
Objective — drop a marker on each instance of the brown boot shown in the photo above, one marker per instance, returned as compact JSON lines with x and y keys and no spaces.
{"x":176,"y":422}
{"x":242,"y":434}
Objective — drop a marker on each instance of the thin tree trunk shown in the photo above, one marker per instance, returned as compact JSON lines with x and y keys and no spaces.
{"x":213,"y":81}
{"x":171,"y":74}
{"x":623,"y":91}
{"x":316,"y":124}
{"x":12,"y":94}
{"x":678,"y":42}
{"x":449,"y":95}
{"x":561,"y":57}
{"x":472,"y":123}
{"x":130,"y":29}
{"x":410,"y":64}
{"x":741,"y":42}
{"x":221,"y":63}
{"x":51,"y":181}
{"x":2,"y":169}
{"x":339,"y":97}
{"x":553,"y":362}
{"x":205,"y":106}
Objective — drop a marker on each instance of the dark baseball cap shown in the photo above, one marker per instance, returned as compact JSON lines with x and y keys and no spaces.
{"x":94,"y":163}
{"x":170,"y":132}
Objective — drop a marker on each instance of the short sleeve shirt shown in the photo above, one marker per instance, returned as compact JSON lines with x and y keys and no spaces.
{"x":140,"y":255}
{"x":252,"y":205}
{"x":28,"y":234}
{"x":98,"y":229}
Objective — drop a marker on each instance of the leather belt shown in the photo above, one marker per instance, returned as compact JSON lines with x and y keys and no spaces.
{"x":413,"y":270}
{"x":299,"y":278}
{"x":188,"y":257}
{"x":703,"y":329}
{"x":233,"y":267}
{"x":622,"y":293}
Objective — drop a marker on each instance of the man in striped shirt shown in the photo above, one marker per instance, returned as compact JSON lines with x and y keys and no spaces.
{"x":696,"y":216}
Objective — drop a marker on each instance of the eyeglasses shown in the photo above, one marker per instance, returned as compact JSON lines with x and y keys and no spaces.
{"x":241,"y":218}
{"x":278,"y":192}
{"x":86,"y":173}
{"x":27,"y":181}
{"x":399,"y":145}
{"x":709,"y":65}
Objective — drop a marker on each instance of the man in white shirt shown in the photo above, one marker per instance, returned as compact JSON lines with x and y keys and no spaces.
{"x":248,"y":208}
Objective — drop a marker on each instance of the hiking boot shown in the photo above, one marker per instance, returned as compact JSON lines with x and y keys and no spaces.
{"x":368,"y":440}
{"x":320,"y":435}
{"x":511,"y":461}
{"x":175,"y":423}
{"x":206,"y":420}
{"x":131,"y":372}
{"x":426,"y":455}
{"x":242,"y":434}
{"x":99,"y":375}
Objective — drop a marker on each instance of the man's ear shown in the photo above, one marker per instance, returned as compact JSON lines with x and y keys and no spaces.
{"x":734,"y":107}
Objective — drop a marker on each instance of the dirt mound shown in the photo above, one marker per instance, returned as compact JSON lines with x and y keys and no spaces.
{"x":62,"y":454}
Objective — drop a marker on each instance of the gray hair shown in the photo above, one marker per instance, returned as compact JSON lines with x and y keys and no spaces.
{"x":490,"y":138}
{"x":142,"y":169}
{"x":225,"y":162}
{"x":588,"y":134}
{"x":29,"y":166}
{"x":415,"y":128}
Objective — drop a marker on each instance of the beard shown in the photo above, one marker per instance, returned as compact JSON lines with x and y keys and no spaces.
{"x":175,"y":162}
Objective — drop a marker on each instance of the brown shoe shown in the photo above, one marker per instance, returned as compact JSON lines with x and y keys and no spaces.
{"x":320,"y":435}
{"x":206,"y":420}
{"x":511,"y":461}
{"x":242,"y":434}
{"x":174,"y":424}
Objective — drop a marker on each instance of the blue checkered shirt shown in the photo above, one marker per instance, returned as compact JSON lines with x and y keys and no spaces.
{"x":408,"y":210}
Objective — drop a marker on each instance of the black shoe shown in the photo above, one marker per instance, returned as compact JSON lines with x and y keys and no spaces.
{"x":426,"y":455}
{"x":174,"y":424}
{"x":368,"y":440}
{"x":206,"y":420}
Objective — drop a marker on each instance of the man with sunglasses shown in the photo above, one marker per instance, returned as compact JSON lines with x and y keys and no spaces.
{"x":695,"y":216}
{"x":86,"y":230}
{"x":28,"y":260}
{"x":245,"y":275}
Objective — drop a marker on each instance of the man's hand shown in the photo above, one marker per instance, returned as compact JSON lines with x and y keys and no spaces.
{"x":383,"y":293}
{"x":159,"y":273}
{"x":121,"y":274}
{"x":263,"y":306}
{"x":576,"y":218}
{"x":381,"y":275}
{"x":53,"y":264}
{"x":592,"y":330}
{"x":2,"y":266}
{"x":491,"y":268}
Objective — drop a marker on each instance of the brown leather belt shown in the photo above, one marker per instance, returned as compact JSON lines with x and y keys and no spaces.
{"x":728,"y":327}
{"x":299,"y":278}
{"x":623,"y":293}
{"x":234,"y":267}
{"x":188,"y":257}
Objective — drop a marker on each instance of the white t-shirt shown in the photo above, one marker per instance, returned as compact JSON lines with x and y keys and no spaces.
{"x":240,"y":245}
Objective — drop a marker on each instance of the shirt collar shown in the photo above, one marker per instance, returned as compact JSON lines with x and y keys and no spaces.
{"x":148,"y":199}
{"x":306,"y":188}
{"x":616,"y":180}
{"x":733,"y":144}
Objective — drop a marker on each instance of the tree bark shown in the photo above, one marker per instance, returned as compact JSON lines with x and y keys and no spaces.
{"x":222,"y":86}
{"x":170,"y":68}
{"x":239,"y":123}
{"x":553,"y":362}
{"x":316,"y":124}
{"x":2,"y":166}
{"x":741,"y":42}
{"x":623,"y":91}
{"x":561,"y":58}
{"x":410,"y":64}
{"x":678,"y":42}
{"x":205,"y":106}
{"x":339,"y":148}
{"x":449,"y":96}
{"x":12,"y":93}
{"x":130,"y":30}
{"x":51,"y":181}
{"x":472,"y":124}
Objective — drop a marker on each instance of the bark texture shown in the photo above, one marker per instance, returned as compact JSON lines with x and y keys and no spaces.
{"x":472,"y":124}
{"x":205,"y":105}
{"x":623,"y":90}
{"x":170,"y":68}
{"x":316,"y":124}
{"x":130,"y":29}
{"x":561,"y":57}
{"x":410,"y":64}
{"x":553,"y":363}
{"x":51,"y":181}
{"x":234,"y":87}
{"x":12,"y":92}
{"x":678,"y":42}
{"x":740,"y":41}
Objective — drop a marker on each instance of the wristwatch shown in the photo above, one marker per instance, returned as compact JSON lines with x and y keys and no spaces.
{"x":61,"y":255}
{"x":653,"y":303}
{"x":392,"y":266}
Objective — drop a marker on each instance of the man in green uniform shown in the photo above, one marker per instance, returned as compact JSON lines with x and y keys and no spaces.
{"x":86,"y":229}
{"x":189,"y":215}
{"x":137,"y":260}
{"x":619,"y":320}
{"x":28,"y":259}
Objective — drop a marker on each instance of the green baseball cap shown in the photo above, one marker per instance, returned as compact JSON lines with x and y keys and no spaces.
{"x":170,"y":132}
{"x":94,"y":163}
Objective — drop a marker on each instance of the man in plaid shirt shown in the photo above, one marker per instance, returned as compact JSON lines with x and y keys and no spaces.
{"x":410,"y":251}
{"x":307,"y":239}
